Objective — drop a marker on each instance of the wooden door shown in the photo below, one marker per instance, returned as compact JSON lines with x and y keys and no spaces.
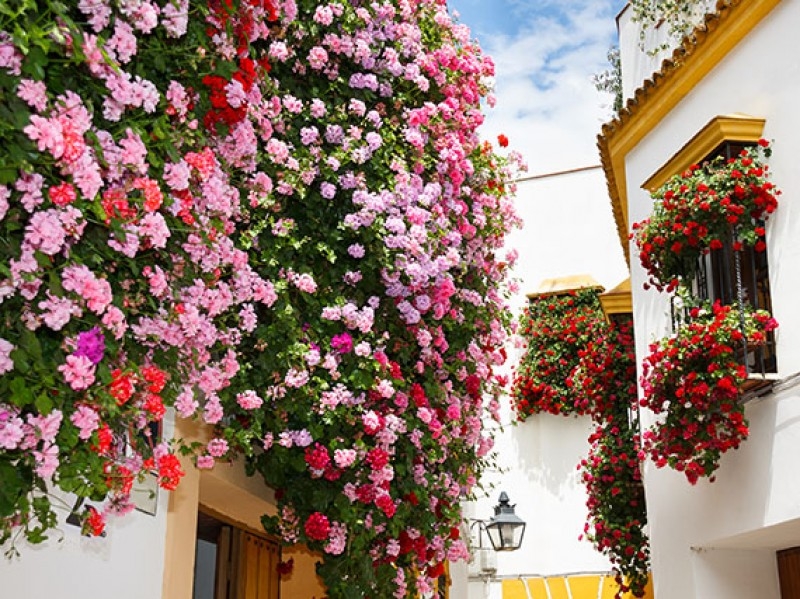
{"x":789,"y":572}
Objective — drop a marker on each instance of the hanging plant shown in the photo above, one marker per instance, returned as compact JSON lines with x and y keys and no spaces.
{"x":556,"y":328}
{"x":703,"y":208}
{"x":678,"y":17}
{"x":606,"y":381}
{"x":692,"y":379}
{"x":616,"y":503}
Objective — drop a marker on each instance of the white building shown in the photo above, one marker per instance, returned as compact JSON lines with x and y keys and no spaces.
{"x":736,"y":78}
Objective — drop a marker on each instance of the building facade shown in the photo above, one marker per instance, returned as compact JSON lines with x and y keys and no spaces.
{"x":733,"y":80}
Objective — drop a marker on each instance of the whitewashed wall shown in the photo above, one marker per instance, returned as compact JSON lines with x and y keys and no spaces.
{"x":718,"y":539}
{"x":127,"y":564}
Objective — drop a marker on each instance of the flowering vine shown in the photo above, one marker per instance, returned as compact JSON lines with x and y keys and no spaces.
{"x":678,"y":17}
{"x":692,"y":380}
{"x":701,"y":209}
{"x":577,"y":362}
{"x":606,"y":378}
{"x":276,"y":217}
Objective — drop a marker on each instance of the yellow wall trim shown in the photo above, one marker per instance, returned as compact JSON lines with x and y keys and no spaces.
{"x":700,"y":52}
{"x":618,"y":300}
{"x":720,"y":129}
{"x":564,"y":285}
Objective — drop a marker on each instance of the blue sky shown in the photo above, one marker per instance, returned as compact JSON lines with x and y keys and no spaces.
{"x":545,"y":53}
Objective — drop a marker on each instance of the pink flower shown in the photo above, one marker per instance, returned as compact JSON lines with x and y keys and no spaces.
{"x":97,"y":12}
{"x":10,"y":57}
{"x":5,"y":194}
{"x":344,"y":457}
{"x":123,"y":42}
{"x":45,"y":232}
{"x":86,"y":419}
{"x":217,"y":447}
{"x":46,"y":461}
{"x":249,"y":400}
{"x":78,"y":371}
{"x":213,"y":412}
{"x":96,"y":292}
{"x":6,"y":363}
{"x":317,"y":58}
{"x":34,"y":93}
{"x":185,"y":403}
{"x":48,"y":135}
{"x":205,"y":462}
{"x":305,"y":282}
{"x":57,"y":311}
{"x":154,"y":227}
{"x":11,"y":429}
{"x":337,"y":540}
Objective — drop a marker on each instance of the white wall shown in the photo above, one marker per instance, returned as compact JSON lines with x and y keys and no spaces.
{"x":757,"y":486}
{"x":127,"y":564}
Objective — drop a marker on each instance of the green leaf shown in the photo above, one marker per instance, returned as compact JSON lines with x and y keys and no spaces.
{"x":44,"y":404}
{"x":21,"y":394}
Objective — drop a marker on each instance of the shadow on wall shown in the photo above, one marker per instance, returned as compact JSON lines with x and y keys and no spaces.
{"x":550,"y":448}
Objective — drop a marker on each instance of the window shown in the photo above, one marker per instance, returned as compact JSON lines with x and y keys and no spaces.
{"x":730,"y":276}
{"x":232,"y":563}
{"x":738,"y":277}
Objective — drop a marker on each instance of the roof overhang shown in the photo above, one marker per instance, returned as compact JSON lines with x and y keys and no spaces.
{"x":699,"y":53}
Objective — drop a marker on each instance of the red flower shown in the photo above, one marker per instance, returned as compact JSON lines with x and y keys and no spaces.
{"x":121,"y":387}
{"x":155,"y":406}
{"x":169,"y":472}
{"x":317,"y":457}
{"x":156,"y":377}
{"x":377,"y":458}
{"x":62,"y":195}
{"x":317,"y":527}
{"x":93,"y":522}
{"x":502,"y":140}
{"x":386,"y":505}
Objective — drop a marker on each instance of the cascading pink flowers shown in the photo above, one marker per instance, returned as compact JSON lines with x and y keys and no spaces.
{"x":292,"y":233}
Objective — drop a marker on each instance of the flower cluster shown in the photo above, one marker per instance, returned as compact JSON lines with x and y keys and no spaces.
{"x":612,"y":470}
{"x":556,"y":329}
{"x":616,"y":503}
{"x":692,"y":380}
{"x":700,"y":210}
{"x":277,"y":217}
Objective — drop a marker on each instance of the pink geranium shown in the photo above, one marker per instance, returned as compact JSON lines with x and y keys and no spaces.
{"x":78,"y":372}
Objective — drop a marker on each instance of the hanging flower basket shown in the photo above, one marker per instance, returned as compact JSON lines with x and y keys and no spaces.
{"x":703,"y":208}
{"x":692,"y":381}
{"x":557,"y":328}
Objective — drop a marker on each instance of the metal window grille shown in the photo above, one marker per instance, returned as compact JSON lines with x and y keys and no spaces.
{"x":734,"y":278}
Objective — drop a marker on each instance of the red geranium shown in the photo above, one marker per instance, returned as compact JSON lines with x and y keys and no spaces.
{"x":693,"y":378}
{"x":317,"y":527}
{"x":701,"y":209}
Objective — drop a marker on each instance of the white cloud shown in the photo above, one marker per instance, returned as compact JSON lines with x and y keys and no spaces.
{"x":546,"y":101}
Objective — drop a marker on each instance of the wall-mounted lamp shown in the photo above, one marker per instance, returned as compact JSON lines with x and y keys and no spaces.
{"x":505,"y":530}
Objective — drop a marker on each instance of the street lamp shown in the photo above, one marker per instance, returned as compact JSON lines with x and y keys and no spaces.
{"x":506,"y":529}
